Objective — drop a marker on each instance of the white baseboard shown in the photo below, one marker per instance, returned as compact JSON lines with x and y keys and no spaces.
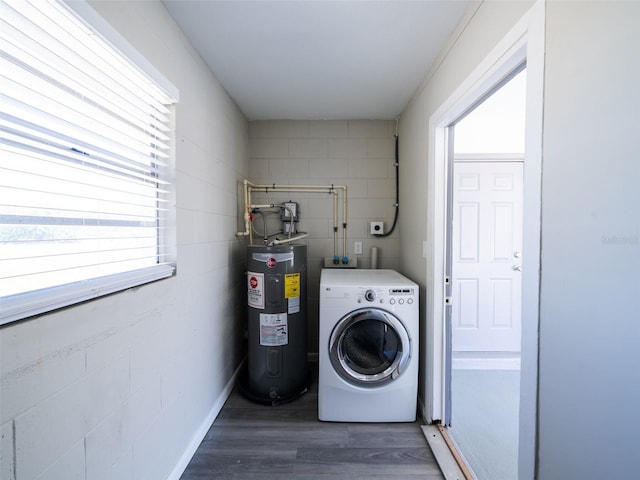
{"x":199,"y":435}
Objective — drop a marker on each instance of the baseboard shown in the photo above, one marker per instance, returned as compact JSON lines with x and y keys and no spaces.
{"x":195,"y":442}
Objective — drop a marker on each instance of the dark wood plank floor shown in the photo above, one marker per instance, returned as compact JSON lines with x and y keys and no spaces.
{"x":249,"y":441}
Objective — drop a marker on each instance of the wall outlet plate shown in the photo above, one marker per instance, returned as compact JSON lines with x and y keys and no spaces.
{"x":377,"y":228}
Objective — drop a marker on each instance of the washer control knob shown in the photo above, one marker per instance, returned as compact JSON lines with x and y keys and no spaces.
{"x":392,"y":301}
{"x":410,"y":301}
{"x":370,"y":295}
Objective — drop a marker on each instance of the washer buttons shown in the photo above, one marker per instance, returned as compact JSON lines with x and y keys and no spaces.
{"x":401,"y":301}
{"x":410,"y":301}
{"x":392,"y":301}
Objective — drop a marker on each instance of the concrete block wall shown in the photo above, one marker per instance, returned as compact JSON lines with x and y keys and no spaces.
{"x":357,"y":153}
{"x":124,"y":386}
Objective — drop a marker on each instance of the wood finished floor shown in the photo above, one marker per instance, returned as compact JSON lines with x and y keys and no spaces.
{"x":249,"y":441}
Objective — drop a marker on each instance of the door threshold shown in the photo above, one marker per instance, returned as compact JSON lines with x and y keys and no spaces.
{"x":449,"y":459}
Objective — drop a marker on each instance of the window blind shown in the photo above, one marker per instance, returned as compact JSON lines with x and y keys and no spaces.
{"x":85,"y":153}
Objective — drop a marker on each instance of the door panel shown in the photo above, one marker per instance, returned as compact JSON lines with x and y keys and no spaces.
{"x":487,"y":241}
{"x":469,"y":240}
{"x":468,"y":317}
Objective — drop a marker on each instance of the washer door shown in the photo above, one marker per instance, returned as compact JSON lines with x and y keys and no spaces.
{"x":369,"y":347}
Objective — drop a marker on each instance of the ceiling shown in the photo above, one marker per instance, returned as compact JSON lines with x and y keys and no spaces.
{"x":322,"y":59}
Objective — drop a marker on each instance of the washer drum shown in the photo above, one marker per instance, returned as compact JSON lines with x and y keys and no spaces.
{"x":277,"y":309}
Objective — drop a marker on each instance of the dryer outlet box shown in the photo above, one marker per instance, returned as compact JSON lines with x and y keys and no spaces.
{"x":377,"y":228}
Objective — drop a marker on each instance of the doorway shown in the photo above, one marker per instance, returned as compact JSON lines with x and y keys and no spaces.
{"x":484,"y":251}
{"x":523,"y":43}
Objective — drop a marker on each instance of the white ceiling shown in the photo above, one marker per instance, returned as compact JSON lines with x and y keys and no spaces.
{"x":323,"y":59}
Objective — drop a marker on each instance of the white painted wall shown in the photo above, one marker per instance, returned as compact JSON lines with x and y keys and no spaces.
{"x":357,"y":153}
{"x":589,"y":378}
{"x":120,"y":387}
{"x":589,"y":383}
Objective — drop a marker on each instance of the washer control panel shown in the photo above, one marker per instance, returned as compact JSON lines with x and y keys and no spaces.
{"x":391,"y":296}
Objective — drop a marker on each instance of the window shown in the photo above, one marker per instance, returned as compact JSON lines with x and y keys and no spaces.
{"x":85,"y":164}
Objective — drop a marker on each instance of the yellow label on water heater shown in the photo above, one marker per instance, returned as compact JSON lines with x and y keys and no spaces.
{"x":291,"y":285}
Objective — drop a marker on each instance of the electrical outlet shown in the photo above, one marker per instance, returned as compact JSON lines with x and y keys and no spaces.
{"x":377,"y":228}
{"x":357,"y":248}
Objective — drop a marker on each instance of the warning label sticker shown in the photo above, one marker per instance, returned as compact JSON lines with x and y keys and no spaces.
{"x":273,"y":329}
{"x":294,"y":305}
{"x":291,"y":285}
{"x":255,"y":290}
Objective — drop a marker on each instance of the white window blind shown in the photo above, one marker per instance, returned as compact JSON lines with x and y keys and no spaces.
{"x":85,"y":177}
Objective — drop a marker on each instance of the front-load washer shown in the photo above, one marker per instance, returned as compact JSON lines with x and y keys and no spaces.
{"x":368,"y":351}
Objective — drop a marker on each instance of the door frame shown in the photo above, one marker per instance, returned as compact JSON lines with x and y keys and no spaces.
{"x":525,"y":42}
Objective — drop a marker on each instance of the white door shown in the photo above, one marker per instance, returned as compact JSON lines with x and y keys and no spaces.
{"x":486,"y":250}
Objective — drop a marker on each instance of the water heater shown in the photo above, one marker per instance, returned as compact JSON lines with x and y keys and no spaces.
{"x":277,"y":332}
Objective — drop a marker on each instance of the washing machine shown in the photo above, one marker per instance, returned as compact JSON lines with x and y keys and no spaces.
{"x":368,"y":352}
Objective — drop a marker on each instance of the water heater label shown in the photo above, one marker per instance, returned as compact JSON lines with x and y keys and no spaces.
{"x":255,"y":290}
{"x":291,"y":285}
{"x":274,"y":330}
{"x":293,"y":305}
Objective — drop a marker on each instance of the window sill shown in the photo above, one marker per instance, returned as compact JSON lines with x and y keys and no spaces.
{"x":24,"y":305}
